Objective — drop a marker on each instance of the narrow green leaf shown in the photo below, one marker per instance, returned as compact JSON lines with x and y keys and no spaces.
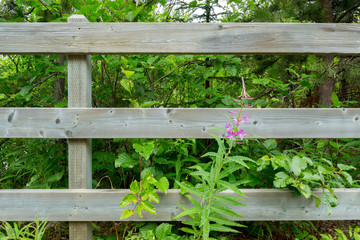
{"x":317,"y":200}
{"x":212,"y":154}
{"x":224,"y":221}
{"x":229,"y":199}
{"x":221,"y":228}
{"x":187,"y":230}
{"x":224,"y":210}
{"x":231,"y":186}
{"x":139,"y":208}
{"x":190,"y":189}
{"x":189,"y":211}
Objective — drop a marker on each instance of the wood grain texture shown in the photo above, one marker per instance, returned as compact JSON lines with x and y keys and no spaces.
{"x":103,"y":205}
{"x":175,"y":123}
{"x":179,"y":38}
{"x":80,"y":150}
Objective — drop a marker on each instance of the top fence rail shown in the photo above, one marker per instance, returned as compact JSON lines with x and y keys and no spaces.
{"x":179,"y":38}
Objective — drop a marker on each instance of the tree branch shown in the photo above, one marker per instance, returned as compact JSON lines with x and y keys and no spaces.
{"x":43,"y":80}
{"x":347,"y":12}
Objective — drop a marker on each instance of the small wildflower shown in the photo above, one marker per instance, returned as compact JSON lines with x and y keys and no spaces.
{"x":234,"y":132}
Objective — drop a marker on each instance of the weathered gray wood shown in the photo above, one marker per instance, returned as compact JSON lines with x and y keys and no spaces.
{"x":175,"y":123}
{"x":80,"y":157}
{"x":179,"y":38}
{"x":103,"y":205}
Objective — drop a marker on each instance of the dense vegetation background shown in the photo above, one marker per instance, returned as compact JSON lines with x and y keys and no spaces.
{"x":184,"y":81}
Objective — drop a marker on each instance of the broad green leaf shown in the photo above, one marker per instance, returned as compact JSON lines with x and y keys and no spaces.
{"x":149,"y":178}
{"x":193,"y":3}
{"x":317,"y":200}
{"x":162,"y":230}
{"x":297,"y":164}
{"x":135,"y":187}
{"x":224,"y":210}
{"x":128,"y":73}
{"x":149,"y":104}
{"x":126,"y":214}
{"x":229,"y":199}
{"x":281,"y":180}
{"x":324,"y":169}
{"x":128,"y":199}
{"x":334,"y":144}
{"x":149,"y":207}
{"x":345,"y":167}
{"x":232,"y":70}
{"x":305,"y":190}
{"x":153,"y":197}
{"x":221,"y":228}
{"x":329,"y":199}
{"x":56,"y":177}
{"x":146,"y":150}
{"x":270,"y":144}
{"x":347,"y":176}
{"x":125,"y":160}
{"x":311,"y":177}
{"x":163,"y":185}
{"x":127,"y":84}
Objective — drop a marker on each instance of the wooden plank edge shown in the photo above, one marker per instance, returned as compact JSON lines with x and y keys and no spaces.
{"x":102,"y":205}
{"x":175,"y":123}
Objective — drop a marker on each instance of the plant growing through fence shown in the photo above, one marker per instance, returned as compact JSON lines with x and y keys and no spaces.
{"x":209,"y":213}
{"x":34,"y":230}
{"x":143,"y":192}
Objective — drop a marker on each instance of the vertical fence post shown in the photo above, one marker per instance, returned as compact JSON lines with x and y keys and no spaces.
{"x":80,"y":155}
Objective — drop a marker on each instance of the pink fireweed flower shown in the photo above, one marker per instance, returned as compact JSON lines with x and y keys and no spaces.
{"x":233,"y":131}
{"x":246,"y":118}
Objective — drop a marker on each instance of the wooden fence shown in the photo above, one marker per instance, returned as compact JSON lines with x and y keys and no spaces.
{"x":79,"y":123}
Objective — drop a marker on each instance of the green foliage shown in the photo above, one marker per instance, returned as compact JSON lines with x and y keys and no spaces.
{"x":354,"y":234}
{"x":210,"y":214}
{"x":142,"y":193}
{"x":34,"y":230}
{"x":302,"y":174}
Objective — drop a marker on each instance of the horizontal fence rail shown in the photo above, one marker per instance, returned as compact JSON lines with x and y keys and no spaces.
{"x":179,"y":38}
{"x":103,"y":205}
{"x":175,"y":123}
